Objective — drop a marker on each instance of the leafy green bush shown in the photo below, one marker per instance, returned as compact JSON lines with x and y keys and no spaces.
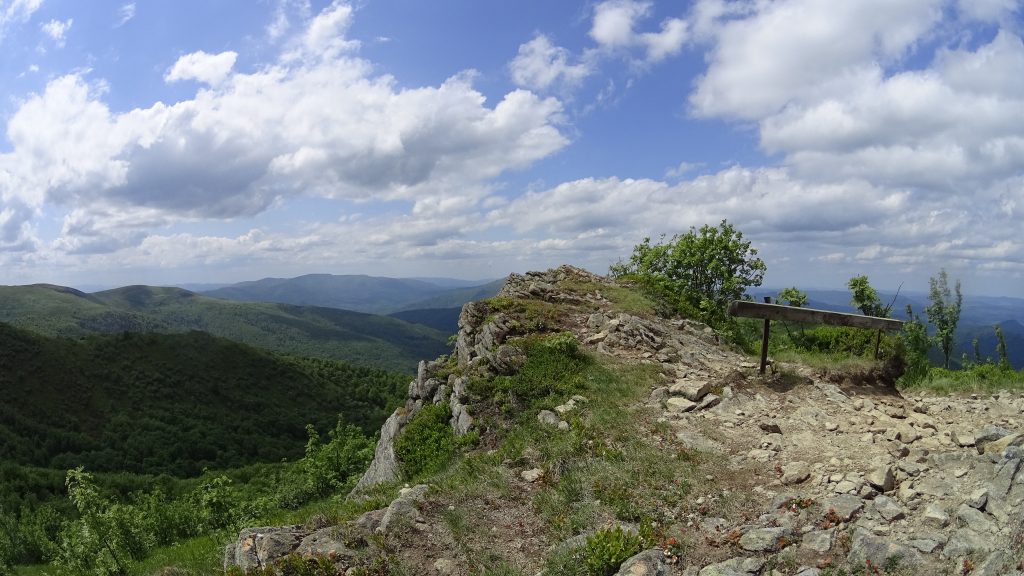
{"x":553,"y":371}
{"x":835,"y":339}
{"x":326,"y":468}
{"x":696,"y":273}
{"x":107,"y":539}
{"x":608,"y":548}
{"x":427,"y":443}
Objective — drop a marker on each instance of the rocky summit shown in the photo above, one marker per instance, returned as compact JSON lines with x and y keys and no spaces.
{"x":801,"y":471}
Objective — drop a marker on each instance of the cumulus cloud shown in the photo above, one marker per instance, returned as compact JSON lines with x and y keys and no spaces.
{"x":541,"y":65}
{"x":211,"y":69}
{"x":614,"y":27}
{"x":57,"y":30}
{"x":16,"y":12}
{"x":316,"y":122}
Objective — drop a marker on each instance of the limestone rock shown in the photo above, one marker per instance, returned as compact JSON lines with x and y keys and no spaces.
{"x":258,"y":547}
{"x":384,"y":467}
{"x":548,"y":418}
{"x":989,"y":434}
{"x":765,"y":539}
{"x":324,"y":542}
{"x":733,"y":567}
{"x":532,"y":475}
{"x":818,"y":541}
{"x":964,"y":542}
{"x":888,"y":508}
{"x":844,"y":506}
{"x":647,"y":563}
{"x":680,"y":405}
{"x":402,"y":510}
{"x":692,"y":390}
{"x":935,"y":516}
{"x":881,"y":478}
{"x":866,"y":546}
{"x":795,"y":472}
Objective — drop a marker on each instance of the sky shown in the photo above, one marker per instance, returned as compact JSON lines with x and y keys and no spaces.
{"x":220,"y":141}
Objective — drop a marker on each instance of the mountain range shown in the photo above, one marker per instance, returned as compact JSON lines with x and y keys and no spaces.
{"x":366,"y":339}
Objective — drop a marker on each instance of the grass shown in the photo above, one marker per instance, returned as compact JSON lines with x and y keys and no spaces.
{"x":628,"y":300}
{"x":986,"y":378}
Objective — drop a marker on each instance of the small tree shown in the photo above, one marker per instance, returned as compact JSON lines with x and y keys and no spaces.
{"x":698,"y":272}
{"x":865,"y":298}
{"x":915,"y":344}
{"x":792,"y":297}
{"x":1004,"y":357}
{"x":944,"y":312}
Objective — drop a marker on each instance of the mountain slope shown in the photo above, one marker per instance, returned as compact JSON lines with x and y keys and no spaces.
{"x":371,"y":340}
{"x":171,"y":403}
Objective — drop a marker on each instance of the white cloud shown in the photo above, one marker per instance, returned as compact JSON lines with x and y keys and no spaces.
{"x":57,"y":30}
{"x":540,"y":65}
{"x":14,"y":12}
{"x":614,"y":27}
{"x":125,"y":13}
{"x":989,"y":10}
{"x":312,"y":124}
{"x":211,"y":69}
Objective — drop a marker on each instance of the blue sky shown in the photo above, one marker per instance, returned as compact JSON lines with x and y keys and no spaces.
{"x":196,"y":141}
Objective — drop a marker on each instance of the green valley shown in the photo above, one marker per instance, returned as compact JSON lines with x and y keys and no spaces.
{"x":366,"y":339}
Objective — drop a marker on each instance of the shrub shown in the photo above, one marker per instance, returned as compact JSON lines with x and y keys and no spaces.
{"x":608,"y":548}
{"x":696,"y":273}
{"x":427,"y":443}
{"x":553,"y":371}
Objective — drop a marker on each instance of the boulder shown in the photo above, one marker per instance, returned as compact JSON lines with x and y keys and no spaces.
{"x":258,"y":547}
{"x":647,"y":563}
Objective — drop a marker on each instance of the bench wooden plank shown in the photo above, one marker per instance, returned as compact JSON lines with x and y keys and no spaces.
{"x":747,"y":309}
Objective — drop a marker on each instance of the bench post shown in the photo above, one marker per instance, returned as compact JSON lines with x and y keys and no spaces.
{"x":764,"y":338}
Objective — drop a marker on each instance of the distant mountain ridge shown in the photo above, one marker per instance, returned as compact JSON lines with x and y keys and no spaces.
{"x":361,"y":293}
{"x":366,"y":339}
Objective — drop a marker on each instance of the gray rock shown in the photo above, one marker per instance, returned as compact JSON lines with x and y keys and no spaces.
{"x":999,"y":487}
{"x":679,"y":405}
{"x":975,"y":519}
{"x":999,"y":446}
{"x":988,"y":434}
{"x":818,"y":541}
{"x":647,"y":563}
{"x":964,"y":542}
{"x":935,"y":515}
{"x":532,"y":475}
{"x":549,"y":418}
{"x":692,"y":390}
{"x":733,"y":567}
{"x":324,"y":542}
{"x":770,"y":427}
{"x":461,"y":421}
{"x":865,"y":546}
{"x":402,"y":510}
{"x":709,"y":401}
{"x":445,"y":566}
{"x":996,"y":564}
{"x":926,"y":545}
{"x":765,"y":539}
{"x":795,"y":472}
{"x":889,"y":509}
{"x":844,"y":506}
{"x":658,"y":396}
{"x":384,"y":467}
{"x":696,"y":441}
{"x":977,"y":499}
{"x":258,"y":547}
{"x":881,"y":478}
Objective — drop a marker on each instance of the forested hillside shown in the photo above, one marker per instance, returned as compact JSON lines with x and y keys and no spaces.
{"x":172,"y":403}
{"x":365,"y":339}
